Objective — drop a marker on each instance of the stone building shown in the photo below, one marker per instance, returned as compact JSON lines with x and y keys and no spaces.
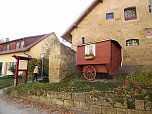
{"x":127,"y":21}
{"x":27,"y":46}
{"x":61,"y":58}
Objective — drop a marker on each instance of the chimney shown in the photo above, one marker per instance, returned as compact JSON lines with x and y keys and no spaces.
{"x":7,"y":39}
{"x":83,"y":40}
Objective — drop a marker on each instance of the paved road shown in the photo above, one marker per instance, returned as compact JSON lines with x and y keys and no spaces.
{"x":14,"y":108}
{"x":6,"y":108}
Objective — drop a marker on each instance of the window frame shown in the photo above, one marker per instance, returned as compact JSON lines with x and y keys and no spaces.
{"x":132,"y":42}
{"x":109,"y":14}
{"x":133,"y":10}
{"x":18,"y":44}
{"x":8,"y":47}
{"x":22,"y":44}
{"x":4,"y":48}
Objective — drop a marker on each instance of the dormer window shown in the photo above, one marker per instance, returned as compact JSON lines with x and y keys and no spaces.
{"x":4,"y":48}
{"x":22,"y":44}
{"x":130,"y":13}
{"x":7,"y":48}
{"x":17,"y":45}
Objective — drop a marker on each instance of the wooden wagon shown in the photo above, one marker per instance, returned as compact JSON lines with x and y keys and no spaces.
{"x":99,"y":57}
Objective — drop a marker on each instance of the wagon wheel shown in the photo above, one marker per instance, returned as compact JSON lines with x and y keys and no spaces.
{"x":89,"y":72}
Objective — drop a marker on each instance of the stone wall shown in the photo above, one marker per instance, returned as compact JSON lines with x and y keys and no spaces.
{"x":85,"y":102}
{"x":62,"y":61}
{"x":128,"y":69}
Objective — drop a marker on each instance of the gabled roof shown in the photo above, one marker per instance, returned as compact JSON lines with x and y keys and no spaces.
{"x":67,"y":34}
{"x":1,"y":41}
{"x":29,"y":43}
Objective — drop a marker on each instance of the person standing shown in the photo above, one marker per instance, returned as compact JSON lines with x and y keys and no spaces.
{"x":35,"y":72}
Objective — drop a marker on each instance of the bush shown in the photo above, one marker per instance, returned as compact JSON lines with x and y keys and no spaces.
{"x":38,"y":62}
{"x":141,"y":77}
{"x":32,"y":63}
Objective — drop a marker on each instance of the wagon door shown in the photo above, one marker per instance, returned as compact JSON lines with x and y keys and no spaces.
{"x":116,"y":58}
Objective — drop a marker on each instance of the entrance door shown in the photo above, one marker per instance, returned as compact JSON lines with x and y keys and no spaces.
{"x":1,"y":68}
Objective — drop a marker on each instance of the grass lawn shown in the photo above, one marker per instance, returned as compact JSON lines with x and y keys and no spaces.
{"x":5,"y":82}
{"x":77,"y":84}
{"x":8,"y":81}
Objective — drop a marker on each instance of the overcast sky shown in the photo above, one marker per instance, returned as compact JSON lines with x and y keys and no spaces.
{"x":21,"y":18}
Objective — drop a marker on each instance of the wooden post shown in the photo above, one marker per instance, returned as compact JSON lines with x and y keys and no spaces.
{"x":16,"y":73}
{"x":18,"y":58}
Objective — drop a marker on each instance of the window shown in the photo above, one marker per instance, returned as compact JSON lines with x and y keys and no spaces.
{"x":130,"y":13}
{"x":90,"y":49}
{"x":22,"y":44}
{"x":17,"y":45}
{"x":109,"y":16}
{"x":132,"y":42}
{"x":4,"y":48}
{"x":7,"y":48}
{"x":150,"y":9}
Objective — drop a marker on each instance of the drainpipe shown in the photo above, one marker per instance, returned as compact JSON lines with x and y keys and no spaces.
{"x":150,"y":5}
{"x":83,"y":40}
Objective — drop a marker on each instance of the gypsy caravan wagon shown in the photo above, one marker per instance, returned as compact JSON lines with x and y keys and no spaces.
{"x":99,"y":57}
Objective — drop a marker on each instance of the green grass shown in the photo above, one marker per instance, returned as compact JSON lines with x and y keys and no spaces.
{"x":5,"y":82}
{"x":75,"y":83}
{"x":8,"y":81}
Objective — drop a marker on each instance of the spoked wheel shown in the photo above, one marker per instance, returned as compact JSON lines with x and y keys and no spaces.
{"x":89,"y":72}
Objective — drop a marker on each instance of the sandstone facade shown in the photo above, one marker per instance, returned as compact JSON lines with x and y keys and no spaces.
{"x":95,"y":27}
{"x":61,"y":61}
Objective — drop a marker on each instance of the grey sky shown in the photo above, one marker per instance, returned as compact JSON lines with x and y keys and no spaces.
{"x":21,"y":18}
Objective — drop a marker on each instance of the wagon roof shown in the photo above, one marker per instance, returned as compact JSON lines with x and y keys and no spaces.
{"x":114,"y":41}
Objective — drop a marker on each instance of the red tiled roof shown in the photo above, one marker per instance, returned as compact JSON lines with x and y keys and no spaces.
{"x":67,"y":34}
{"x":1,"y":41}
{"x":30,"y":42}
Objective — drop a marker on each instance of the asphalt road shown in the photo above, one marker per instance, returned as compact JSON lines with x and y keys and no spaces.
{"x":14,"y":108}
{"x":6,"y":108}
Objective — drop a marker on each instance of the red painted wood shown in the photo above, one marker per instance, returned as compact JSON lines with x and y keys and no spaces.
{"x":103,"y":50}
{"x":107,"y":59}
{"x":18,"y":58}
{"x":16,"y":73}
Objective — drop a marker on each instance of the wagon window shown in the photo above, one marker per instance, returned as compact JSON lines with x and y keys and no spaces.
{"x":90,"y":49}
{"x":132,"y":42}
{"x":130,"y":13}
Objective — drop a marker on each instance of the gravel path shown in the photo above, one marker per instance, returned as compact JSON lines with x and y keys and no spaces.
{"x":11,"y":105}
